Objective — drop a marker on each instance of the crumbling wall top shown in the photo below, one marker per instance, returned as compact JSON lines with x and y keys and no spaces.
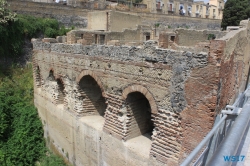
{"x":149,"y":52}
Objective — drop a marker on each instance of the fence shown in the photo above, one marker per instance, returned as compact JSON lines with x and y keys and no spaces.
{"x":226,"y":135}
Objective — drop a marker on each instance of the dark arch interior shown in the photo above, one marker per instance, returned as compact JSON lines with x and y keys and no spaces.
{"x":38,"y":76}
{"x":61,"y":94}
{"x":51,"y":76}
{"x":93,"y":101}
{"x":139,"y":115}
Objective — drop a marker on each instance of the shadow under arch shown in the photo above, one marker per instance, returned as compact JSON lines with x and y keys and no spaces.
{"x":141,"y":110}
{"x":51,"y":76}
{"x":37,"y":74}
{"x":91,"y":91}
{"x":145,"y":92}
{"x":92,"y":74}
{"x":61,"y":92}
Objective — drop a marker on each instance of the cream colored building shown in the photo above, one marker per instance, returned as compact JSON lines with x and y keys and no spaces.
{"x":212,"y":10}
{"x":219,"y":7}
{"x":168,"y":6}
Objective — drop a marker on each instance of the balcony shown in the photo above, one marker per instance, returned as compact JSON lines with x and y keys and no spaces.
{"x":220,"y":8}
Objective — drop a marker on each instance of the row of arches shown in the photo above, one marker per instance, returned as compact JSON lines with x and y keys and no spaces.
{"x":137,"y":99}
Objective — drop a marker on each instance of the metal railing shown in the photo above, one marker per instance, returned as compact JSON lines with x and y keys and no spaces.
{"x":230,"y":126}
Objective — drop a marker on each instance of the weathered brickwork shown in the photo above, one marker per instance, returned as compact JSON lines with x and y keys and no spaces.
{"x":143,"y":88}
{"x":142,"y":105}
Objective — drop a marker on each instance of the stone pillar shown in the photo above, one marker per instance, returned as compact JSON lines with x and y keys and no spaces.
{"x":166,"y":137}
{"x":114,"y":123}
{"x":163,"y":40}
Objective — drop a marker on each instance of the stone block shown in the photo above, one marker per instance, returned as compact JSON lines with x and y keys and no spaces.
{"x":82,"y":41}
{"x":114,"y":42}
{"x":49,"y":40}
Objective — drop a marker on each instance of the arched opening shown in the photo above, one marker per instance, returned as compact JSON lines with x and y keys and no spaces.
{"x":61,"y":93}
{"x":51,"y":76}
{"x":139,"y":115}
{"x":93,"y":101}
{"x":37,"y":76}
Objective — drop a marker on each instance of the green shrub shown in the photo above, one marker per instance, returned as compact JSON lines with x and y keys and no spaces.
{"x":51,"y":160}
{"x":12,"y":35}
{"x":21,"y":130}
{"x":211,"y":37}
{"x":50,"y":32}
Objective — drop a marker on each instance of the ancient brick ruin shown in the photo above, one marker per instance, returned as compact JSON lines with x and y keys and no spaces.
{"x":126,"y":105}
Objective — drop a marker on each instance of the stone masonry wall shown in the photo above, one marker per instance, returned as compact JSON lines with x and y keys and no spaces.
{"x":160,"y":75}
{"x":69,"y":15}
{"x":66,"y":15}
{"x":120,"y":21}
{"x":186,"y":37}
{"x":184,"y":91}
{"x":217,"y":85}
{"x":234,"y":61}
{"x":99,"y":122}
{"x":172,"y":22}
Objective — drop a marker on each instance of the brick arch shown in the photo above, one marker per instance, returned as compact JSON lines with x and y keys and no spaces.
{"x":92,"y":74}
{"x":145,"y":92}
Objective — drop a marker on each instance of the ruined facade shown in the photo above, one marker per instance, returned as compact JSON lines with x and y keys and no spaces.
{"x":123,"y":105}
{"x":127,"y":37}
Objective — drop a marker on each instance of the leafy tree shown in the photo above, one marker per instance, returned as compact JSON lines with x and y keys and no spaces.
{"x":21,"y":131}
{"x":5,"y":15}
{"x":12,"y":35}
{"x":234,"y":12}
